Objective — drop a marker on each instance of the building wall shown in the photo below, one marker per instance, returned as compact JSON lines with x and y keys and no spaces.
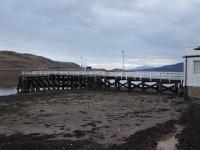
{"x":193,"y":93}
{"x":192,"y":78}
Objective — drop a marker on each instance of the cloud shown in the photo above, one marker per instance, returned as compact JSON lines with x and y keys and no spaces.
{"x":99,"y":30}
{"x":133,"y":63}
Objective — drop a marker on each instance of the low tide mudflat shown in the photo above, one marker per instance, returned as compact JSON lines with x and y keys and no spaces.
{"x":87,"y":120}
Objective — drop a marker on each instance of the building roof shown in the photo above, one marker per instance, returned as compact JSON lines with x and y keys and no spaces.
{"x":197,"y":48}
{"x":190,"y":56}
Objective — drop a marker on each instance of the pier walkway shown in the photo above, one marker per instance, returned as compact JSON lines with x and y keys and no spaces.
{"x":35,"y":81}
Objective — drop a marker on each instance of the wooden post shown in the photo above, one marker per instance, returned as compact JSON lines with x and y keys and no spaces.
{"x":48,"y":83}
{"x":19,"y":84}
{"x":63,"y":82}
{"x":53,"y":82}
{"x":143,"y":86}
{"x":72,"y":83}
{"x":79,"y":82}
{"x":108,"y":84}
{"x":58,"y":82}
{"x":157,"y":86}
{"x":181,"y":89}
{"x":42,"y":83}
{"x":117,"y":87}
{"x":129,"y":84}
{"x":176,"y":88}
{"x":104,"y":83}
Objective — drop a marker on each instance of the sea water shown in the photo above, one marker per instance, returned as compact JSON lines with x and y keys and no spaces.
{"x":8,"y":91}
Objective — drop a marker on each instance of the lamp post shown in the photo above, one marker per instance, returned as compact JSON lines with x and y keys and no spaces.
{"x":81,"y":62}
{"x":123,"y":59}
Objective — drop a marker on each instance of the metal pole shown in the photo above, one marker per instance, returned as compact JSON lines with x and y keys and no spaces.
{"x":123,"y":59}
{"x":81,"y":63}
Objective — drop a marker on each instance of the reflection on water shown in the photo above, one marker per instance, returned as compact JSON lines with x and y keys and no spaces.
{"x":8,"y":91}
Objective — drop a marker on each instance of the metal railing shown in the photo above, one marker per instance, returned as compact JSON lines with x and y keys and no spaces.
{"x":150,"y":75}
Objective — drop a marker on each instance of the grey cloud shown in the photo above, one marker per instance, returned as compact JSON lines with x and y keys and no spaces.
{"x":100,"y":29}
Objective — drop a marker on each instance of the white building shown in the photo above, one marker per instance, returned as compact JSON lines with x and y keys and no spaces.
{"x":192,"y":73}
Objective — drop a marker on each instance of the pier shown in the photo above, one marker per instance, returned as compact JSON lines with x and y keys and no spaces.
{"x":159,"y":82}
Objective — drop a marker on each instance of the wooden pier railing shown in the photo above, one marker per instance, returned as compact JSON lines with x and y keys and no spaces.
{"x":34,"y":81}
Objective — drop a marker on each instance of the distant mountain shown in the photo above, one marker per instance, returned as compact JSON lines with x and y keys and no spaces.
{"x":168,"y":68}
{"x":142,"y":67}
{"x":10,"y":60}
{"x":117,"y":70}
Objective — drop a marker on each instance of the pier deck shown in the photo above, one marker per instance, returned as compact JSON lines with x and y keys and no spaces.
{"x":35,"y":81}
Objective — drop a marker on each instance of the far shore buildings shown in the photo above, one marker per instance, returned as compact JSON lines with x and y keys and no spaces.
{"x":192,"y":73}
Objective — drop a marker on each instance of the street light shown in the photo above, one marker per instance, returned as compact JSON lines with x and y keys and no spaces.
{"x":81,"y":63}
{"x":123,"y":59}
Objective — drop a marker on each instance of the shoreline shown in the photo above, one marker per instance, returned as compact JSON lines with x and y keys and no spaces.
{"x":104,"y":120}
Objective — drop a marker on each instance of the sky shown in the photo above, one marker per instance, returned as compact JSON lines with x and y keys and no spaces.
{"x":151,"y":32}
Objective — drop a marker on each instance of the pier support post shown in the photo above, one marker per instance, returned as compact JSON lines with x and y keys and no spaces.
{"x":129,"y":84}
{"x":143,"y":86}
{"x":36,"y":83}
{"x":117,"y":85}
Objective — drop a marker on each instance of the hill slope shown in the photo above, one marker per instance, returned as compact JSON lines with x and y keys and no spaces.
{"x":10,"y":60}
{"x":168,"y":68}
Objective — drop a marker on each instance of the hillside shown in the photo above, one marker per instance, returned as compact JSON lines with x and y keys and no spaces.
{"x":10,"y":60}
{"x":142,"y":67}
{"x":168,"y":68}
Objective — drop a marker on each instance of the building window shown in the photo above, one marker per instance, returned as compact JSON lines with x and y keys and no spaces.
{"x":197,"y":66}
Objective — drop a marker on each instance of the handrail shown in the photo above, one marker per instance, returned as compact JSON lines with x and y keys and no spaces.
{"x":150,"y":75}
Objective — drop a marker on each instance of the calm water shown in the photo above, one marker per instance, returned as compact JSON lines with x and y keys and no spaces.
{"x":8,"y":82}
{"x":8,"y":91}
